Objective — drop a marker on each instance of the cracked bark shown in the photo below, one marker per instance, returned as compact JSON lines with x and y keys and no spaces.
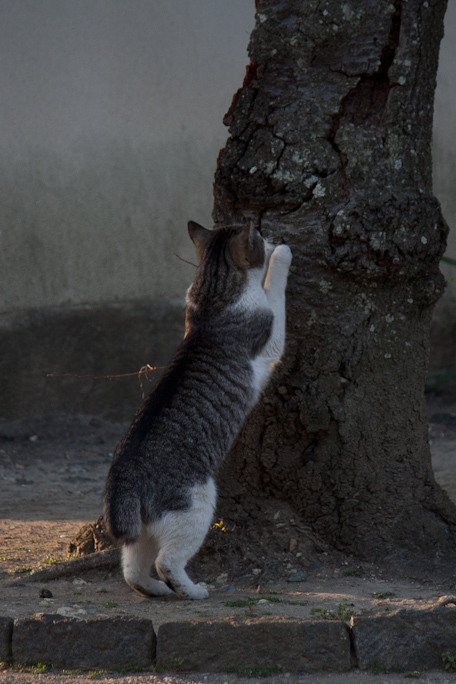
{"x":329,"y":151}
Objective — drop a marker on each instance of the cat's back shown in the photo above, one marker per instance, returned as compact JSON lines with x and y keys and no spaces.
{"x":200,"y":400}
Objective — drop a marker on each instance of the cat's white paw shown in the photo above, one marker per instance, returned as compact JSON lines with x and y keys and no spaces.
{"x":283,"y":254}
{"x":199,"y":592}
{"x":149,"y":587}
{"x":160,"y":589}
{"x":192,"y":591}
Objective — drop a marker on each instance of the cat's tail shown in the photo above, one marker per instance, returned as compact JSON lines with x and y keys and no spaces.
{"x":121,"y":512}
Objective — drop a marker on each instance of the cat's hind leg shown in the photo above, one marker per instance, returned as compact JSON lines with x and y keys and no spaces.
{"x":138,"y":559}
{"x":180,"y":535}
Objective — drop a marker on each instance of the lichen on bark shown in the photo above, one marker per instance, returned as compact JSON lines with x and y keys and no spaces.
{"x":329,"y":151}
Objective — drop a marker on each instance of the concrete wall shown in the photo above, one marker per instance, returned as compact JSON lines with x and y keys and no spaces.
{"x":111,"y":121}
{"x":110,"y":127}
{"x":443,"y":353}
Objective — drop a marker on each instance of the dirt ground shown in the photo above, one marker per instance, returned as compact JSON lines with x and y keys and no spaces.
{"x":51,"y":478}
{"x":348,"y":678}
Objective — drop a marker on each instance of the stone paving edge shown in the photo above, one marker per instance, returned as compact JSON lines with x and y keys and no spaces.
{"x":404,"y":640}
{"x":243,"y":644}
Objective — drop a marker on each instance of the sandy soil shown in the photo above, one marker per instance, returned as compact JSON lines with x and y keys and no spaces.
{"x":51,"y":478}
{"x":349,"y":678}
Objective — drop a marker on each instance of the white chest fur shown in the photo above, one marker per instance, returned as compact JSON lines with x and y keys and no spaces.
{"x":268,"y":295}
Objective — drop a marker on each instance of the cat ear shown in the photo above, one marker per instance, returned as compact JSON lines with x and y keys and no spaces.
{"x":199,"y":235}
{"x":248,"y":237}
{"x":244,"y":247}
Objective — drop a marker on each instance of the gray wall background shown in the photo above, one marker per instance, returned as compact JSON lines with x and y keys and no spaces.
{"x":443,"y":352}
{"x":111,"y":122}
{"x":110,"y":128}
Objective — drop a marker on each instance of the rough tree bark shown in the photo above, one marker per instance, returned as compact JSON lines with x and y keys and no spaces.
{"x":330,"y":152}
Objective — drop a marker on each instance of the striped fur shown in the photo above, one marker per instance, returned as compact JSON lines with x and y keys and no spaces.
{"x":160,"y":493}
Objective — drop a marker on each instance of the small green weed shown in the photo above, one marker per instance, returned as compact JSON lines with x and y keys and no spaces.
{"x":49,"y":560}
{"x":33,"y":668}
{"x":321,"y":612}
{"x":241,"y":603}
{"x":381,"y":669}
{"x":96,"y":673}
{"x":111,"y":604}
{"x":383,"y":594}
{"x":176,"y":664}
{"x":258,"y":671}
{"x":449,"y":661}
{"x":125,"y":669}
{"x":413,"y":675}
{"x":21,"y":570}
{"x":343,"y":612}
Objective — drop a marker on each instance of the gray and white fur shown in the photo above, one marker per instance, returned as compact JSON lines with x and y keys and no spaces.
{"x":160,"y":493}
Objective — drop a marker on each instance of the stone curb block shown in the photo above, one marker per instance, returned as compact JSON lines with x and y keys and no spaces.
{"x":71,"y":643}
{"x":229,"y":644}
{"x":6,"y":631}
{"x":408,"y":639}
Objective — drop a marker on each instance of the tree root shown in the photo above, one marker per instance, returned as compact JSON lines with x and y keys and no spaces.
{"x":103,"y":560}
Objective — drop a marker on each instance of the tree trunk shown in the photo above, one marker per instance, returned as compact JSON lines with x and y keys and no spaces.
{"x":330,"y":152}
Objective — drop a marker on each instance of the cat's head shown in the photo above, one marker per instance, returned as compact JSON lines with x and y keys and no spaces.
{"x":227,"y":257}
{"x":243,"y":247}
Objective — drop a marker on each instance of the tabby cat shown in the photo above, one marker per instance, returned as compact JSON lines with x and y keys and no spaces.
{"x":160,"y":492}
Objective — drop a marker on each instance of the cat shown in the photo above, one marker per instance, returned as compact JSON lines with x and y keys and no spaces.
{"x":160,"y":493}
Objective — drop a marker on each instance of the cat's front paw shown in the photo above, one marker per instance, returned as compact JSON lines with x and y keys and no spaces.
{"x":282,"y":255}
